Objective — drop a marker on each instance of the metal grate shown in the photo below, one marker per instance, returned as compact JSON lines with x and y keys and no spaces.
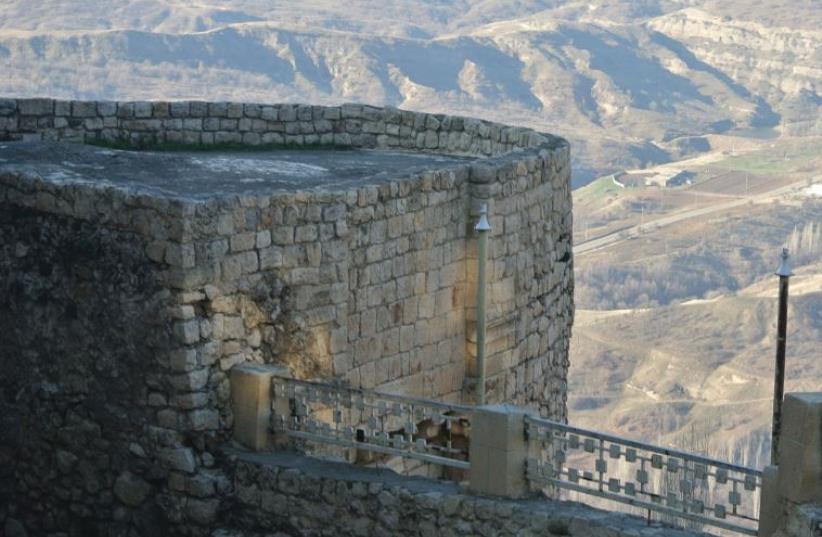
{"x":335,"y":415}
{"x":674,"y":483}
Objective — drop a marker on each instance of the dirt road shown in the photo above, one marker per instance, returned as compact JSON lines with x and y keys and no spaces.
{"x":632,"y":232}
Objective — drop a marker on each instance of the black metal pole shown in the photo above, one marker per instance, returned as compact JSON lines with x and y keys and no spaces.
{"x":784,"y":273}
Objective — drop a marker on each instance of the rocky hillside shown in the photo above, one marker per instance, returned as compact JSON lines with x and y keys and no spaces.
{"x":624,"y":80}
{"x":780,"y":67}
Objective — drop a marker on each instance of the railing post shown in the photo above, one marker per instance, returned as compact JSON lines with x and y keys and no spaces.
{"x":798,"y":478}
{"x":251,"y":403}
{"x":498,"y":451}
{"x":784,"y":273}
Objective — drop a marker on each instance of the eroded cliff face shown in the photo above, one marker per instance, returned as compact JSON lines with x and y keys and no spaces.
{"x":782,"y":66}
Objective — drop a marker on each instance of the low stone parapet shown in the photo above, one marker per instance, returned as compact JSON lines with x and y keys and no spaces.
{"x":297,"y":495}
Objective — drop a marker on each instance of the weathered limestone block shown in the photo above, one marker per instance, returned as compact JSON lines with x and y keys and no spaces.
{"x":251,"y":403}
{"x":800,"y":468}
{"x":498,"y":451}
{"x":791,"y":490}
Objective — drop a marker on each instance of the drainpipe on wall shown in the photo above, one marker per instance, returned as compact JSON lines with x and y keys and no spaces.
{"x":482,"y":228}
{"x":784,"y":273}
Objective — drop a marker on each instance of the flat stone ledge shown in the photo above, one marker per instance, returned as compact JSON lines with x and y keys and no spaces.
{"x":214,"y":174}
{"x":322,"y":469}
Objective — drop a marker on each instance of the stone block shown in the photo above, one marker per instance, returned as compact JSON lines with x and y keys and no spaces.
{"x":191,"y":381}
{"x":180,"y":109}
{"x":7,"y":107}
{"x":130,"y":489}
{"x":271,"y":258}
{"x":236,"y":265}
{"x":282,"y":235}
{"x":180,"y":459}
{"x":10,"y":123}
{"x":498,"y":451}
{"x":231,"y":360}
{"x":187,"y":332}
{"x":183,"y":360}
{"x":107,"y":108}
{"x":233,"y":327}
{"x":203,"y":420}
{"x":35,"y":107}
{"x":180,"y":255}
{"x":198,"y":109}
{"x":193,"y":124}
{"x":189,"y":401}
{"x":263,"y":239}
{"x":243,"y":242}
{"x":771,"y":510}
{"x":159,"y":109}
{"x":234,"y":110}
{"x":251,"y":403}
{"x":143,"y":109}
{"x":800,"y":448}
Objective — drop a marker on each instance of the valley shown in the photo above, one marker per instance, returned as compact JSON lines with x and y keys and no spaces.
{"x":630,"y":84}
{"x":674,"y":334}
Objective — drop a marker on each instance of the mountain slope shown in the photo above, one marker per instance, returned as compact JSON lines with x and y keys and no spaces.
{"x":621,"y":92}
{"x":785,"y":71}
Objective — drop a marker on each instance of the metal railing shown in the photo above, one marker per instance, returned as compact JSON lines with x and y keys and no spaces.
{"x":329,"y":414}
{"x":677,"y":485}
{"x":674,"y":483}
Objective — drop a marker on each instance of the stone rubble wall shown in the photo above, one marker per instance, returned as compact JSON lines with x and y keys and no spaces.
{"x":298,"y":497}
{"x":90,"y":324}
{"x":373,"y":286}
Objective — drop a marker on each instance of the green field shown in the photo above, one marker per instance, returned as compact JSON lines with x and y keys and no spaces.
{"x":598,"y":188}
{"x":787,"y":157}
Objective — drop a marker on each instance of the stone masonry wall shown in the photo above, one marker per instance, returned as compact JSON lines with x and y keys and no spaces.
{"x":401,"y":239}
{"x":197,"y":122}
{"x":123,"y":313}
{"x":299,"y":497}
{"x":85,"y":325}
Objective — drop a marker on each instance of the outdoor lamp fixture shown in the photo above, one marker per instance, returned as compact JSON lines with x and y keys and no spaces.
{"x":784,"y":273}
{"x":482,"y":228}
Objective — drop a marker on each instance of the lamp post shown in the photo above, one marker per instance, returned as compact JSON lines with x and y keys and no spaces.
{"x":482,"y":228}
{"x":784,"y":273}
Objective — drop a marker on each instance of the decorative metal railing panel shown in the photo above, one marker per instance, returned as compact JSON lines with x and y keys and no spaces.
{"x":674,"y":483}
{"x":329,"y":414}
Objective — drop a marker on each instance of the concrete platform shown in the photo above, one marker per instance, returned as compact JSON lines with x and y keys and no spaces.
{"x":199,"y":175}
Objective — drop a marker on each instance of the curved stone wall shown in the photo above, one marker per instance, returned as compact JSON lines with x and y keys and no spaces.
{"x":374,"y":285}
{"x":201,"y":123}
